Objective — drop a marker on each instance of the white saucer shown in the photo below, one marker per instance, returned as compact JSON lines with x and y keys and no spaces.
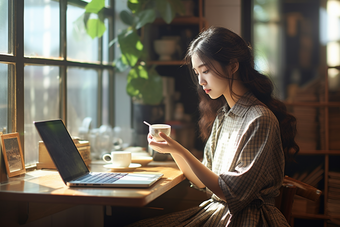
{"x":131,"y":167}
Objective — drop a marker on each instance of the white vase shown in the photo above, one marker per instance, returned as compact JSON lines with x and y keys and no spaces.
{"x":165,"y":48}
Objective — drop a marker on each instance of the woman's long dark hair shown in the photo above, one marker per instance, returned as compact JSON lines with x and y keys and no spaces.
{"x":223,"y":46}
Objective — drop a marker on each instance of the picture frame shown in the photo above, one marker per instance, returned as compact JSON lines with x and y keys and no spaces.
{"x":12,"y":153}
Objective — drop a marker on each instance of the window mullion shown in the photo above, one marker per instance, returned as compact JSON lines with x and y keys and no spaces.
{"x":63,"y":69}
{"x":111,"y":98}
{"x":100,"y":83}
{"x":100,"y":97}
{"x":16,"y":77}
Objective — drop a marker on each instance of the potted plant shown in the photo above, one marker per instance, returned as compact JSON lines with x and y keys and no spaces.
{"x":144,"y":84}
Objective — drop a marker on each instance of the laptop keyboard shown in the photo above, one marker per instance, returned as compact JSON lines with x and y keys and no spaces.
{"x":101,"y":177}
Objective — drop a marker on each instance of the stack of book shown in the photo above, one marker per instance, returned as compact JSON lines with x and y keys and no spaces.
{"x":334,"y":123}
{"x":334,"y":128}
{"x":307,"y":127}
{"x":311,"y":177}
{"x":333,"y":202}
{"x":307,"y":117}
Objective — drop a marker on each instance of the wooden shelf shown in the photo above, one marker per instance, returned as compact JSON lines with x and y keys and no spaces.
{"x":328,"y":121}
{"x":180,"y":21}
{"x":178,"y":62}
{"x":334,"y":67}
{"x":319,"y":152}
{"x":313,"y":104}
{"x":311,"y":216}
{"x":335,"y":216}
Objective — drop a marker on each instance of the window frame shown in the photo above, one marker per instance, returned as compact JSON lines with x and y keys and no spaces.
{"x":16,"y":61}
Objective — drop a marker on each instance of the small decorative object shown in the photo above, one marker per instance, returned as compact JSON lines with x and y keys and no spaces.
{"x":84,"y":129}
{"x":178,"y":50}
{"x":12,"y":152}
{"x":165,"y":48}
{"x":105,"y":139}
{"x":46,"y":162}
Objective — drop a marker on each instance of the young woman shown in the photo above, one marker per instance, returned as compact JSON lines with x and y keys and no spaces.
{"x":249,"y":135}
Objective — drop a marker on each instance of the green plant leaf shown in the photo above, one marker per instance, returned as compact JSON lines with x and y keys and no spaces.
{"x":131,"y":90}
{"x":95,"y":6}
{"x":124,"y":60}
{"x":138,"y":72}
{"x":144,"y":17}
{"x":95,"y":28}
{"x":139,"y":46}
{"x":145,"y":86}
{"x":165,"y":9}
{"x":134,"y":5}
{"x":130,"y":46}
{"x":152,"y":91}
{"x":126,"y":17}
{"x":101,"y":16}
{"x":134,"y":81}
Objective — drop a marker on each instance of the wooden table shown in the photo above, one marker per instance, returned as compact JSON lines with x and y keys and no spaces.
{"x":47,"y":186}
{"x":36,"y":191}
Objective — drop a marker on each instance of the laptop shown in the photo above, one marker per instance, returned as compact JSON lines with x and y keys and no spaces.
{"x":72,"y":168}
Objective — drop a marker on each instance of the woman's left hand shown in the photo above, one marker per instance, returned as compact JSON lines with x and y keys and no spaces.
{"x":167,"y":146}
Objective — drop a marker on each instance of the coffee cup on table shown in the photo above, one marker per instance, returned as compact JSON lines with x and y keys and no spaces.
{"x":155,"y":129}
{"x":118,"y":158}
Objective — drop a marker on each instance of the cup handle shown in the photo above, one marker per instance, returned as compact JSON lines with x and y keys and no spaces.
{"x":107,"y":155}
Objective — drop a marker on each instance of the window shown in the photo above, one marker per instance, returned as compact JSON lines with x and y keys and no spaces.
{"x":56,"y":71}
{"x":332,"y":41}
{"x":41,"y":28}
{"x":3,"y":97}
{"x":268,"y":52}
{"x":4,"y":26}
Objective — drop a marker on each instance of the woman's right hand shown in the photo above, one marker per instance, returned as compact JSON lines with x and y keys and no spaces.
{"x":167,"y":146}
{"x":183,"y":158}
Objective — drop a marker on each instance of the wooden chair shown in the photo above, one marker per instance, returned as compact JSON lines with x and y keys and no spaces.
{"x":289,"y":189}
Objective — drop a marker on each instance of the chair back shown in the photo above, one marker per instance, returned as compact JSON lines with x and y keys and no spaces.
{"x":290,"y":188}
{"x":304,"y":190}
{"x":284,"y":202}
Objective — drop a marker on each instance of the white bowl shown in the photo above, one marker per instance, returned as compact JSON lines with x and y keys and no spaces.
{"x":165,"y":48}
{"x":143,"y":160}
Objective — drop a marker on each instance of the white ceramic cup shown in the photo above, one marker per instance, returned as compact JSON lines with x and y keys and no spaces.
{"x":118,"y":158}
{"x":155,"y":129}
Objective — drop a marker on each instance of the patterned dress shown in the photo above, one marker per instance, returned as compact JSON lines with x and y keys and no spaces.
{"x":245,"y":150}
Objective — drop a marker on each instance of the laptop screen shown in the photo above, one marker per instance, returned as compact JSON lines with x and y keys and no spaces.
{"x":62,"y":149}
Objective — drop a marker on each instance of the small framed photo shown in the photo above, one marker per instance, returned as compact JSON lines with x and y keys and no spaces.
{"x":12,"y":153}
